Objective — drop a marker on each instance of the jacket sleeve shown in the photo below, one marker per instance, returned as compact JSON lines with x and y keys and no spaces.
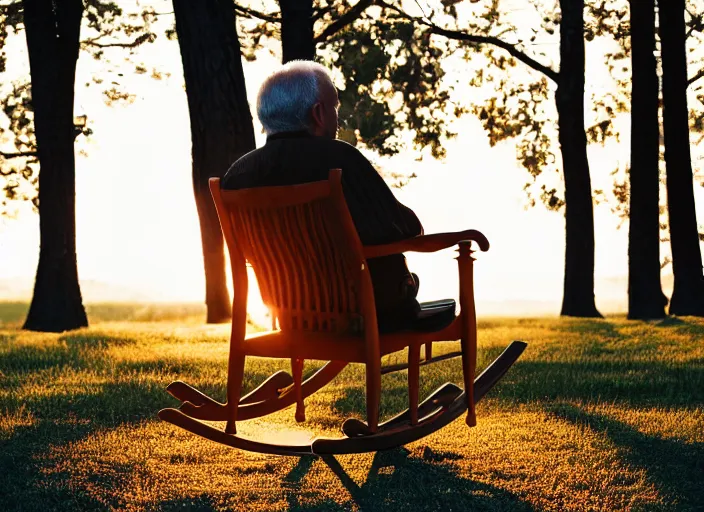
{"x":378,"y":216}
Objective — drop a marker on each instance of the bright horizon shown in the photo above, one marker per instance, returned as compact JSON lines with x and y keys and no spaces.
{"x":137,"y":228}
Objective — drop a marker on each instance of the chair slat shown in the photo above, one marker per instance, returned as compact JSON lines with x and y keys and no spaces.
{"x":299,"y":253}
{"x":318,"y":239}
{"x":301,"y":289}
{"x":265,"y":251}
{"x":280,"y":243}
{"x":311,"y":275}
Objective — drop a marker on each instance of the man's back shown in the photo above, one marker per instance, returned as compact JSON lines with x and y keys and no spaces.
{"x":297,"y":157}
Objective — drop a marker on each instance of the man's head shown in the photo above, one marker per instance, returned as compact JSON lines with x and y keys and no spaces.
{"x":299,"y":96}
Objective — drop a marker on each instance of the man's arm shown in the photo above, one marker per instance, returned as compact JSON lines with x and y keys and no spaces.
{"x":378,"y":216}
{"x":412,"y":219}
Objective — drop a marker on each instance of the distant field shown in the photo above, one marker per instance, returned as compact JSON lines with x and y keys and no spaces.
{"x":12,"y":314}
{"x":596,"y":415}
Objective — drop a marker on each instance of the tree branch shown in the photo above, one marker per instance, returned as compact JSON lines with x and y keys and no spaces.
{"x":491,"y":40}
{"x":695,"y":77}
{"x":17,"y":154}
{"x":13,"y":14}
{"x":689,"y":33}
{"x":251,"y":13}
{"x":694,"y":23}
{"x":319,"y":12}
{"x":132,"y":44}
{"x":110,"y":45}
{"x":344,"y":20}
{"x":511,"y":49}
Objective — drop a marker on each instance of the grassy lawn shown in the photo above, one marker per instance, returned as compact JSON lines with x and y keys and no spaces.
{"x":596,"y":415}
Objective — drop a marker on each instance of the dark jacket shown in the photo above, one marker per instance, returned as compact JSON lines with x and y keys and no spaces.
{"x":297,"y":157}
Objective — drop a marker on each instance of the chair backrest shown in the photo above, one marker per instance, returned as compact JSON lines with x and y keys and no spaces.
{"x":305,"y":252}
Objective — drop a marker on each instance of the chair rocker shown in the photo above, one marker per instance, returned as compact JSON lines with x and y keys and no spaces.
{"x":312,"y":273}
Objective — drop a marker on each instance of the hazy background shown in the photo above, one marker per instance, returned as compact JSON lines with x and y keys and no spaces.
{"x":137,"y":228}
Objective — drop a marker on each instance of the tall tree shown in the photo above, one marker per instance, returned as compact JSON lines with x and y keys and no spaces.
{"x":297,"y":30}
{"x":645,"y":297}
{"x":502,"y":122}
{"x":107,"y":28}
{"x":221,"y":123}
{"x":688,"y":294}
{"x":609,"y":17}
{"x":53,"y":31}
{"x":578,"y":298}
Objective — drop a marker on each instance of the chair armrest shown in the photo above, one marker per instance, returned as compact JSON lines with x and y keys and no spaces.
{"x":427,"y":243}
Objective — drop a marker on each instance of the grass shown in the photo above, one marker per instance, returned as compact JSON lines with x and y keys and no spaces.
{"x":596,"y":415}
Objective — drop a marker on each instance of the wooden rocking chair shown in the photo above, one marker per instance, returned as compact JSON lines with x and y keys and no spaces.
{"x":312,"y":272}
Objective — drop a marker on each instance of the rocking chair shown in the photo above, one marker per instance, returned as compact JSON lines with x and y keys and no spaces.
{"x":312,"y":272}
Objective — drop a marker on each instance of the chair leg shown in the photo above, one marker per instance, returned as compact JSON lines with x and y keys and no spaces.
{"x":235,"y":374}
{"x":297,"y":372}
{"x":373,"y":395}
{"x":469,"y":327}
{"x":413,"y":380}
{"x":469,"y":363}
{"x":429,"y":351}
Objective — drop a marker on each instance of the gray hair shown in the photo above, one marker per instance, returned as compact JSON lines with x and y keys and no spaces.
{"x":287,"y":96}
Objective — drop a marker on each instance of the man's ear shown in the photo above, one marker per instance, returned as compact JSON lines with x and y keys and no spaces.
{"x":317,"y":115}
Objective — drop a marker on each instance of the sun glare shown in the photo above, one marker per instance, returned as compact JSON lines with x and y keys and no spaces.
{"x":257,"y":310}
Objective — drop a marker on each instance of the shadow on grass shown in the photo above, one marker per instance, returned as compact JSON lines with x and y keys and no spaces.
{"x":606,"y":328}
{"x":396,"y":481}
{"x":596,"y":328}
{"x":61,"y":419}
{"x":83,"y":354}
{"x":351,"y":401}
{"x":24,"y":359}
{"x":676,"y":468}
{"x":76,"y":351}
{"x":200,"y":503}
{"x":67,"y":391}
{"x":97,"y":340}
{"x":629,"y":382}
{"x":68,"y":410}
{"x":685,"y":326}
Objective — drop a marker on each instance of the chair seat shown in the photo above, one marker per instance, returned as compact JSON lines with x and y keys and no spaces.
{"x":436,"y":321}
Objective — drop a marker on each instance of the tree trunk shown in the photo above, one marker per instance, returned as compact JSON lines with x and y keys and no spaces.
{"x":645,"y":297}
{"x":578,"y":299}
{"x":688,"y":294}
{"x":297,"y":30}
{"x":52,"y":32}
{"x":221,"y":123}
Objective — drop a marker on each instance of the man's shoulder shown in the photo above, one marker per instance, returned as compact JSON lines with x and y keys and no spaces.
{"x":245,"y":159}
{"x":345,"y":147}
{"x":240,"y":167}
{"x":302,"y":159}
{"x":346,"y":156}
